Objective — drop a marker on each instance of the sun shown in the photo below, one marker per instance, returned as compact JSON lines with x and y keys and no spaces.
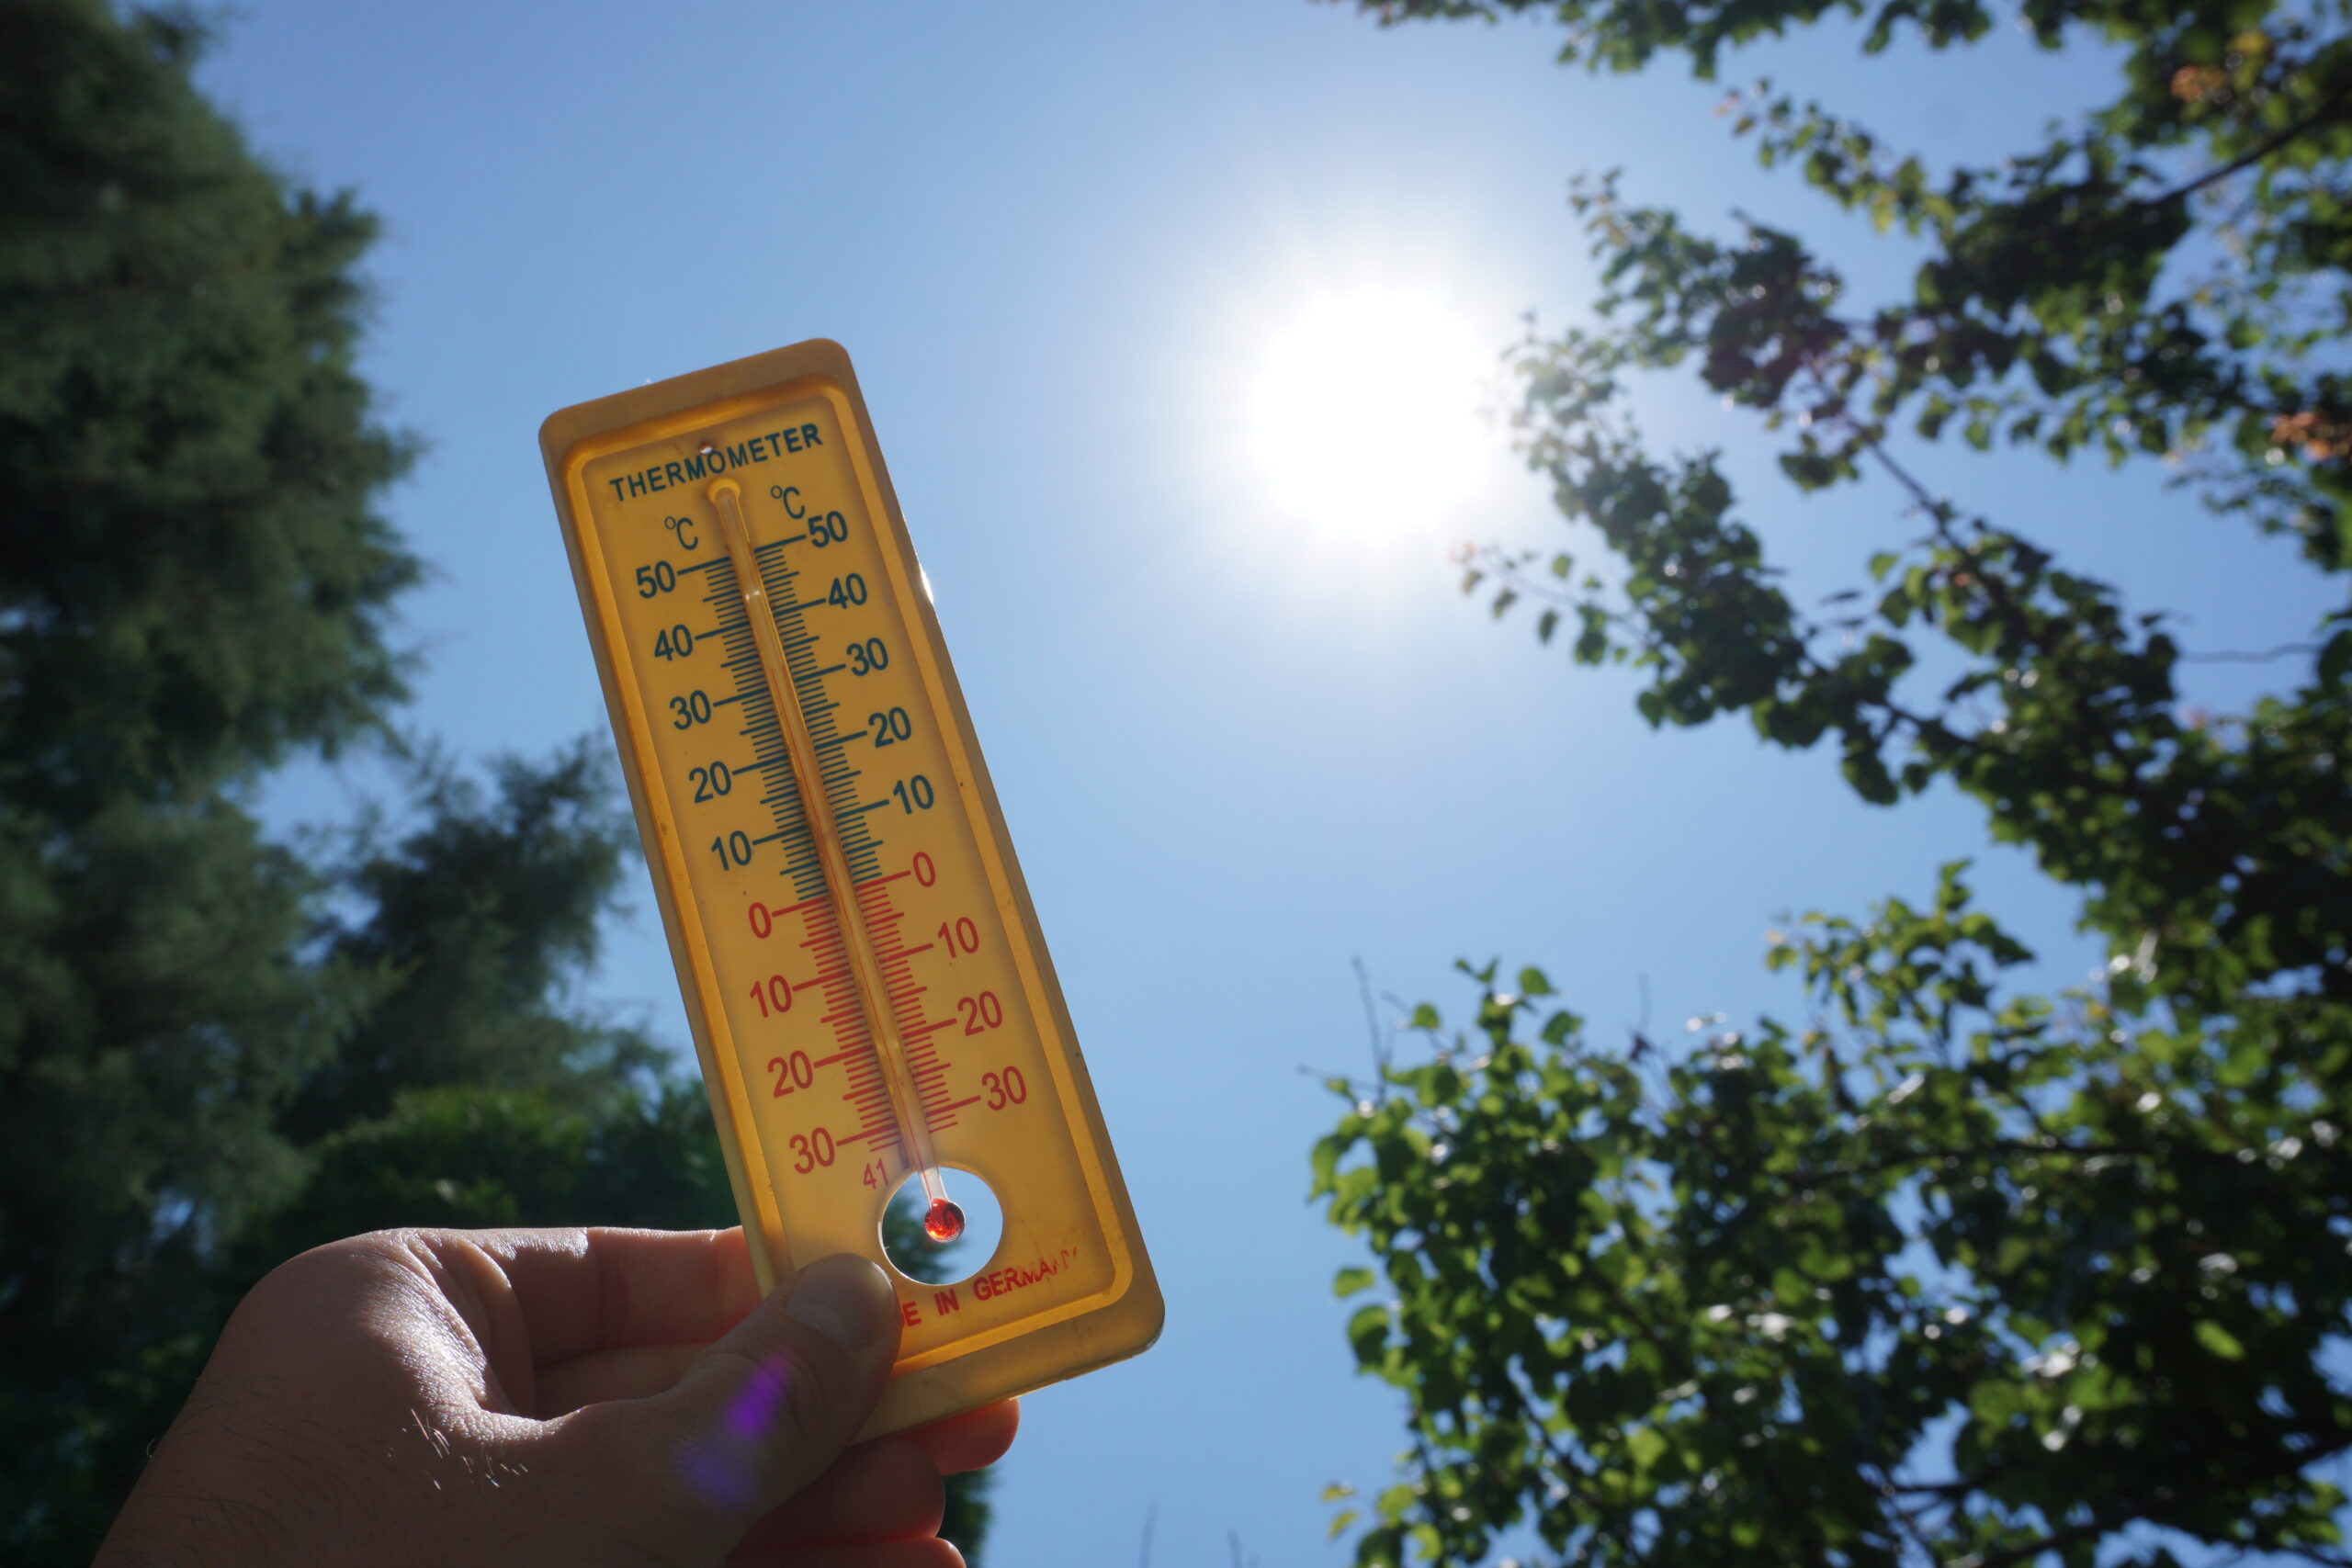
{"x":1363,"y":416}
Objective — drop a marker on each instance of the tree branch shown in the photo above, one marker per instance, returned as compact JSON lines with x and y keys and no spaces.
{"x":2234,"y":657}
{"x":2328,"y":108}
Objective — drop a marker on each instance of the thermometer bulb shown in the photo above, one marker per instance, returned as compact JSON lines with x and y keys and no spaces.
{"x":944,"y":1222}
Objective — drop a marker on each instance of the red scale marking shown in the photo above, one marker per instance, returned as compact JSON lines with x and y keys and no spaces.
{"x":796,"y":909}
{"x":848,"y":1020}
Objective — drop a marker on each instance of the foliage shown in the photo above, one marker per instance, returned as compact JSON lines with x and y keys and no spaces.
{"x":1727,"y":1305}
{"x":215,"y":1049}
{"x":1959,"y":1273}
{"x":193,"y":581}
{"x":474,"y":922}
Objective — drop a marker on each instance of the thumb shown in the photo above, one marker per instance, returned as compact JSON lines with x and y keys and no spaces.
{"x":768,"y":1409}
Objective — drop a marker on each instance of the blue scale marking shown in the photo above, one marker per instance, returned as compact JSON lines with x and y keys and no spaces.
{"x":860,"y":848}
{"x":782,"y":801}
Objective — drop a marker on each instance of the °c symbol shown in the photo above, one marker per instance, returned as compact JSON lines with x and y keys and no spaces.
{"x":684,"y":527}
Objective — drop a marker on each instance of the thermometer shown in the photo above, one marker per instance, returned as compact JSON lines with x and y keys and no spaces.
{"x":871,"y":998}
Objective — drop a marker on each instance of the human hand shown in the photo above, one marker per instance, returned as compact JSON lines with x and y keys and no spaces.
{"x":525,"y":1396}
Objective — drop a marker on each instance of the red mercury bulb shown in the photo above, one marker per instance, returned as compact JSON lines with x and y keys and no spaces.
{"x":944,"y":1222}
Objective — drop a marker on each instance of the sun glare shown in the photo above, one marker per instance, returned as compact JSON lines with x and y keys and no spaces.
{"x":1365,"y":414}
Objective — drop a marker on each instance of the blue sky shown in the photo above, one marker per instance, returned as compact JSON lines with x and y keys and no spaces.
{"x":1236,"y":746}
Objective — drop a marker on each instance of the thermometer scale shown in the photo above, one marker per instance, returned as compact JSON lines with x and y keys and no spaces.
{"x":870,"y":996}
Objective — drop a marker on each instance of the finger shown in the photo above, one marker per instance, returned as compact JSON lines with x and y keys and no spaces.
{"x":887,"y":1490}
{"x":584,"y":1290}
{"x":636,"y":1372}
{"x":973,"y":1440}
{"x":931,"y":1552}
{"x":766,"y":1411}
{"x":890,"y":1488}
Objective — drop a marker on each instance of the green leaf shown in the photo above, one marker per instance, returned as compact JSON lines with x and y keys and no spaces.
{"x":2218,"y":1340}
{"x":2335,"y":659}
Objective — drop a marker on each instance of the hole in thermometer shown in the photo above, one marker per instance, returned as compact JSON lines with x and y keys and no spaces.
{"x":938,"y":1241}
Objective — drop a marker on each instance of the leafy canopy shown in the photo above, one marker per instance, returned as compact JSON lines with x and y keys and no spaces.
{"x":1959,"y":1273}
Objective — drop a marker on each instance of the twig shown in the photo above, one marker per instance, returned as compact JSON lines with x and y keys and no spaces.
{"x":2311,"y":122}
{"x":1381,"y":1052}
{"x":2281,"y":651}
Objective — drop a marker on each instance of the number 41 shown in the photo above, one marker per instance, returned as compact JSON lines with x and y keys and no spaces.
{"x":876,"y":1173}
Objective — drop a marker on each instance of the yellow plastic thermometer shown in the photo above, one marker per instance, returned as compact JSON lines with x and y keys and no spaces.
{"x":866,"y":983}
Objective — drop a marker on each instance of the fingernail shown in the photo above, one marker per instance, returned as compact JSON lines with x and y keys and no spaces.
{"x":848,"y":1300}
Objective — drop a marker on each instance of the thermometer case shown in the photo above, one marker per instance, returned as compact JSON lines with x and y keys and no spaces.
{"x":637,"y":475}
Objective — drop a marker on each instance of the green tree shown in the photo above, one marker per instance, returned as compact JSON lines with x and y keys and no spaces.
{"x":193,"y":585}
{"x":215,"y":1050}
{"x":1961,"y":1272}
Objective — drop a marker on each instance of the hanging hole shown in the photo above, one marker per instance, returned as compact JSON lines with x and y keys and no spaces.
{"x":940,"y":1243}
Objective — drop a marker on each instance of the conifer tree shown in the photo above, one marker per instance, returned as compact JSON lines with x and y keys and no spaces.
{"x":194,"y":584}
{"x":214,"y":1050}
